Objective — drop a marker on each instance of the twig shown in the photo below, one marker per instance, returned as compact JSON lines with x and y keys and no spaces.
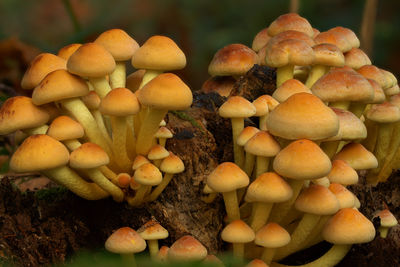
{"x":368,"y":26}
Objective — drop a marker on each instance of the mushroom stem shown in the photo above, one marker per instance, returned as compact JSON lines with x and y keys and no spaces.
{"x":249,"y":163}
{"x":283,"y":74}
{"x":140,"y":194}
{"x":148,"y":76}
{"x":260,"y":214}
{"x":330,"y":148}
{"x":231,"y":205}
{"x":128,"y":259}
{"x":263,"y":122}
{"x":315,"y":235}
{"x":101,"y":86}
{"x":317,"y":71}
{"x":238,"y":250}
{"x":118,"y":76}
{"x":96,"y":176}
{"x":209,"y":198}
{"x":332,"y":257}
{"x":101,"y":125}
{"x":37,"y":130}
{"x":340,"y":104}
{"x":262,"y":164}
{"x":268,"y":255}
{"x":112,"y":176}
{"x":372,"y":129}
{"x":119,"y":128}
{"x":130,"y":138}
{"x":147,"y":130}
{"x":71,"y":180}
{"x":153,"y":248}
{"x":72,"y":144}
{"x":383,"y":231}
{"x":238,"y":151}
{"x":160,"y":187}
{"x":357,"y":108}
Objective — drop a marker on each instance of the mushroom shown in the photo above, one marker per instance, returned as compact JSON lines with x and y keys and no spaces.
{"x":163,"y":134}
{"x":187,"y":248}
{"x":387,"y":221}
{"x":271,"y":236}
{"x":152,"y":231}
{"x":238,"y":233}
{"x":157,"y":153}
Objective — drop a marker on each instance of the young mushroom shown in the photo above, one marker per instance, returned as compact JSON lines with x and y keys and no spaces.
{"x":152,"y":231}
{"x":187,"y":248}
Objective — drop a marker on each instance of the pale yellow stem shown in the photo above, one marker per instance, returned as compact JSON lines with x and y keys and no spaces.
{"x":160,"y":187}
{"x":316,"y":72}
{"x":260,"y":214}
{"x":231,"y":205}
{"x":118,"y":76}
{"x":37,"y":130}
{"x":262,"y":164}
{"x":101,"y":86}
{"x":119,"y":128}
{"x":96,"y":176}
{"x":283,"y":74}
{"x":238,"y":151}
{"x":148,"y":129}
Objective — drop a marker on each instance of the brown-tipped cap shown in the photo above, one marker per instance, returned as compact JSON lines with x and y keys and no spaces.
{"x":222,"y":85}
{"x":268,"y":187}
{"x":323,"y":181}
{"x":172,"y":164}
{"x":345,"y":197}
{"x":379,"y":94}
{"x":392,"y":80}
{"x":301,"y":160}
{"x":87,"y":156}
{"x":261,"y":106}
{"x":247,"y":133}
{"x":272,"y":235}
{"x":328,"y":55}
{"x":374,"y":73}
{"x":290,"y":21}
{"x":227,"y":177}
{"x":134,"y":80}
{"x":262,"y":144}
{"x":336,"y":38}
{"x":40,"y":66}
{"x":342,"y":173}
{"x":139,"y":161}
{"x":152,"y":230}
{"x":289,"y":52}
{"x":123,"y":180}
{"x":348,"y":34}
{"x":318,"y":200}
{"x":350,"y":126}
{"x":39,"y":152}
{"x":394,"y":90}
{"x":289,"y":88}
{"x":157,"y":152}
{"x":163,"y":132}
{"x":125,"y":240}
{"x":383,"y":113}
{"x":166,"y":91}
{"x":187,"y":248}
{"x":19,"y":113}
{"x":356,"y":58}
{"x":257,"y":263}
{"x":159,"y":53}
{"x":59,"y":85}
{"x":387,"y":218}
{"x":120,"y":45}
{"x":272,"y":102}
{"x":120,"y":102}
{"x":148,"y":174}
{"x":66,"y":51}
{"x":232,"y":60}
{"x":237,"y":107}
{"x":348,"y":226}
{"x":357,"y":157}
{"x":91,"y":60}
{"x":303,"y":115}
{"x":237,"y":232}
{"x":65,"y":128}
{"x":162,"y":254}
{"x":291,"y":35}
{"x":91,"y":100}
{"x":342,"y":85}
{"x":260,"y":39}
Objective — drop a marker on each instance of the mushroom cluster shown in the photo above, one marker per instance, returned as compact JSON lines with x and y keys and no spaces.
{"x":93,"y":130}
{"x":332,"y":114}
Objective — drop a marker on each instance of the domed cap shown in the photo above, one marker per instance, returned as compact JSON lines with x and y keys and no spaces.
{"x":157,"y":152}
{"x":120,"y":45}
{"x":379,"y":94}
{"x":91,"y":60}
{"x":172,"y":164}
{"x":318,"y":200}
{"x":342,"y":173}
{"x":247,"y":133}
{"x":148,"y":174}
{"x":19,"y":113}
{"x":357,"y":157}
{"x":59,"y":85}
{"x":187,"y":248}
{"x":39,"y":152}
{"x":87,"y":156}
{"x":232,"y":60}
{"x":139,"y":161}
{"x":291,"y":35}
{"x":222,"y":85}
{"x":163,"y":132}
{"x":290,"y":21}
{"x":262,"y":144}
{"x":350,"y":36}
{"x":237,"y":232}
{"x":268,"y":187}
{"x":125,"y":241}
{"x":261,"y":106}
{"x":227,"y":177}
{"x":383,"y":113}
{"x":91,"y":100}
{"x":152,"y":230}
{"x":272,"y":235}
{"x":303,"y":115}
{"x":120,"y":102}
{"x":344,"y":196}
{"x":40,"y":66}
{"x":348,"y":226}
{"x":374,"y":73}
{"x":301,"y":160}
{"x":64,"y":128}
{"x":328,"y":55}
{"x":66,"y":51}
{"x":237,"y":107}
{"x":134,"y":80}
{"x":289,"y":51}
{"x":260,"y":39}
{"x":350,"y":126}
{"x":356,"y":58}
{"x":289,"y":88}
{"x":159,"y":53}
{"x":387,"y":218}
{"x":166,"y":91}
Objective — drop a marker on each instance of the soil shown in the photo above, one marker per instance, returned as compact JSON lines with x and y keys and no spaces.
{"x":40,"y":229}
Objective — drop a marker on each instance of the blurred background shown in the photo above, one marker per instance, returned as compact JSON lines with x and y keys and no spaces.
{"x":200,"y":28}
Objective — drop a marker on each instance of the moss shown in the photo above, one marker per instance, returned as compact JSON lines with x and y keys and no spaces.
{"x":52,"y":194}
{"x":184,"y":116}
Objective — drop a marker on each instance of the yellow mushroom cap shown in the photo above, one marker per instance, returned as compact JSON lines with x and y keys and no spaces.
{"x":301,"y":160}
{"x":342,"y":173}
{"x":350,"y":126}
{"x":157,"y":152}
{"x":383,"y":113}
{"x":356,"y":58}
{"x":66,"y":51}
{"x":387,"y":218}
{"x":65,"y":128}
{"x":19,"y":113}
{"x":187,"y":248}
{"x":317,"y":199}
{"x":227,"y":177}
{"x":159,"y":53}
{"x":120,"y":45}
{"x":163,"y":132}
{"x":237,"y":232}
{"x":262,"y":144}
{"x":92,"y":100}
{"x":374,"y":73}
{"x":348,"y":226}
{"x":39,"y":152}
{"x":87,"y":156}
{"x":260,"y":40}
{"x":335,"y":38}
{"x":328,"y":55}
{"x":357,"y":157}
{"x":40,"y":66}
{"x":152,"y":230}
{"x":120,"y":102}
{"x":139,"y":161}
{"x":290,"y":21}
{"x":291,"y":34}
{"x":134,"y":80}
{"x":148,"y":174}
{"x":91,"y":60}
{"x":344,"y":196}
{"x":272,"y":235}
{"x":237,"y":107}
{"x":172,"y":164}
{"x":247,"y":133}
{"x":124,"y":241}
{"x":289,"y":52}
{"x":289,"y":88}
{"x":166,"y":91}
